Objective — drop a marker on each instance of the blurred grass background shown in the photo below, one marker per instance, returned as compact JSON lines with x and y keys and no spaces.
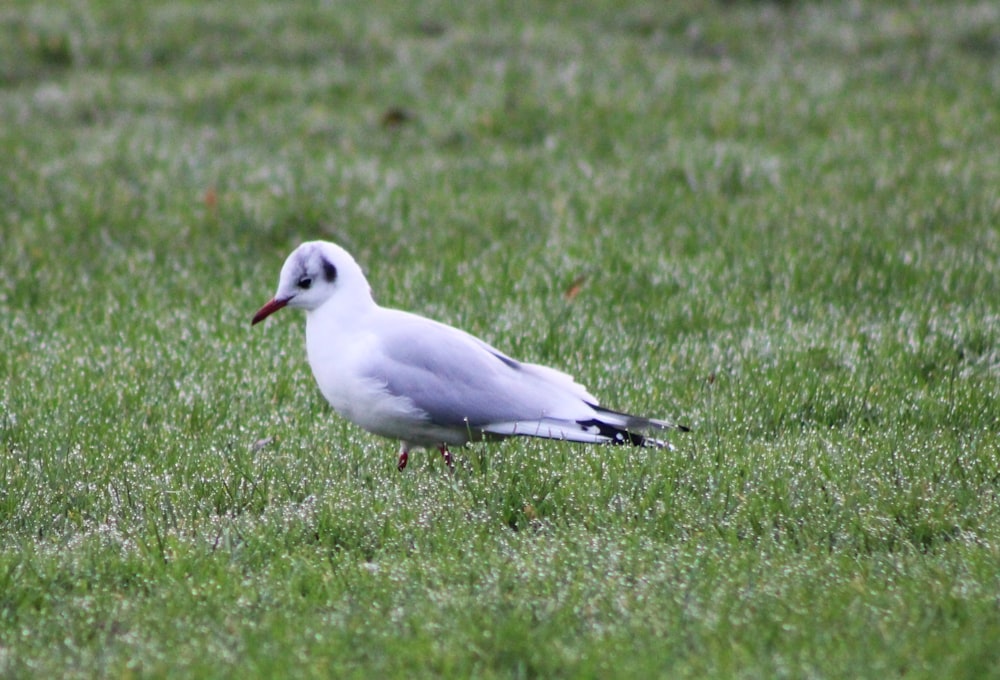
{"x":776,"y":222}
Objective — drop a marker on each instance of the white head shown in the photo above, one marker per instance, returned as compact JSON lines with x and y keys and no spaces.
{"x":315,"y":273}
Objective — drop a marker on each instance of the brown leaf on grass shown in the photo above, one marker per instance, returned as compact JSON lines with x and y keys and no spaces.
{"x":574,"y":288}
{"x":395,"y":116}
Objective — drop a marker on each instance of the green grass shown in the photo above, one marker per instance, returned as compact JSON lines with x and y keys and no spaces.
{"x":784,"y":219}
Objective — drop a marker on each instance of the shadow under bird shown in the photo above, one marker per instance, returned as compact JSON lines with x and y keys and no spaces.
{"x":406,"y":377}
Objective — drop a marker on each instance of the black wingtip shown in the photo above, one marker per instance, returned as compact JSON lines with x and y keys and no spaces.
{"x":639,"y":421}
{"x":614,"y":435}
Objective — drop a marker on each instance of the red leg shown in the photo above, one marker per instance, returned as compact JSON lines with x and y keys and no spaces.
{"x":447,"y":456}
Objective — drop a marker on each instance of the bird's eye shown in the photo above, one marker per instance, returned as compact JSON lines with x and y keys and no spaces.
{"x":305,"y":282}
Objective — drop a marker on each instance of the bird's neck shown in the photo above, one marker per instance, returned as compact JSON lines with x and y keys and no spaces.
{"x":335,"y":338}
{"x":339,"y":320}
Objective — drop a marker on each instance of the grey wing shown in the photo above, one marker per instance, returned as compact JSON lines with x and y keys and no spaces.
{"x":460,"y":381}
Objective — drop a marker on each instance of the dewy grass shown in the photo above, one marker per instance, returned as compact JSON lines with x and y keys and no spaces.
{"x":776,"y":223}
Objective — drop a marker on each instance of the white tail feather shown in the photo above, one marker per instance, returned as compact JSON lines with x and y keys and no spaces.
{"x":586,"y":432}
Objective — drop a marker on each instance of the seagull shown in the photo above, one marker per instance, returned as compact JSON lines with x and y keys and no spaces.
{"x":427,"y":384}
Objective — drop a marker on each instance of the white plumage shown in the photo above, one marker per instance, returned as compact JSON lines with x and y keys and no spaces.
{"x":424,"y":383}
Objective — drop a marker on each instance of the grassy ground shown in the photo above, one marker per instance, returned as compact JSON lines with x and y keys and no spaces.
{"x":776,"y":222}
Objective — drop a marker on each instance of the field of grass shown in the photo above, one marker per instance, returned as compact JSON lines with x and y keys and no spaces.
{"x":778,"y":223}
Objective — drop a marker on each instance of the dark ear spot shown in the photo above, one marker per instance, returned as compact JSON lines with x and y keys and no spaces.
{"x":329,"y":271}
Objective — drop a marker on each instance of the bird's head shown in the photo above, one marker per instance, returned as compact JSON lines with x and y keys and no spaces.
{"x":317,"y":273}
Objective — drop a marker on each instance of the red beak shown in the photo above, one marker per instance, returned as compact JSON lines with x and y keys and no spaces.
{"x":267,"y":310}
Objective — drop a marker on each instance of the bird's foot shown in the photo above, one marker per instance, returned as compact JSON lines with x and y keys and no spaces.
{"x":446,"y":454}
{"x":404,"y":457}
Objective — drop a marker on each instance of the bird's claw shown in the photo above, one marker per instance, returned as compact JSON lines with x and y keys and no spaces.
{"x":404,"y":457}
{"x":446,"y":454}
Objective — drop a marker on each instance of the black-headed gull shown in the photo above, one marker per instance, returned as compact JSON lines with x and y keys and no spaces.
{"x":406,"y":377}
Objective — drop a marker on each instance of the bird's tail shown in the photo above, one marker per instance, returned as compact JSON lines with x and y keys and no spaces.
{"x":605,"y":427}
